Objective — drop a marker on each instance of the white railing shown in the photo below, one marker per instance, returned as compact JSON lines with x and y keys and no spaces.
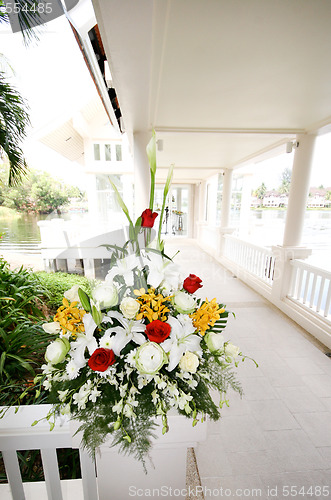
{"x":311,"y":288}
{"x":254,"y":259}
{"x":16,"y":433}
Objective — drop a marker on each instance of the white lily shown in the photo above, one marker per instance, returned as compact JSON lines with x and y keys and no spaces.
{"x":84,"y":341}
{"x":182,"y":338}
{"x":124,"y":267}
{"x":161,"y":269}
{"x":130,"y":330}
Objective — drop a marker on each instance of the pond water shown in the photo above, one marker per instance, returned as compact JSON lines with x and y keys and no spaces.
{"x":264,"y":227}
{"x":21,"y":231}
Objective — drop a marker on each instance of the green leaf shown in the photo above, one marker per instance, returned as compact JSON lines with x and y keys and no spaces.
{"x":84,"y":300}
{"x":165,"y":194}
{"x":121,"y":202}
{"x":151,"y":153}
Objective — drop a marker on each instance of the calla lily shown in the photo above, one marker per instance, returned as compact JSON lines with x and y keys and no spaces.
{"x":182,"y":338}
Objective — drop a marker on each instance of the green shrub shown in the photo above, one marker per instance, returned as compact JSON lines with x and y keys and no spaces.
{"x":58,"y":283}
{"x":22,"y":338}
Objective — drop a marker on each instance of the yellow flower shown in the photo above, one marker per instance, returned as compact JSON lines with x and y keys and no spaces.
{"x":153,"y":306}
{"x":206,"y":316}
{"x":70,"y":318}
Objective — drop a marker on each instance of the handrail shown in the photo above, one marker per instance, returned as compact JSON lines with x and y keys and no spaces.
{"x":258,"y":261}
{"x":311,"y":288}
{"x":16,"y":433}
{"x":247,"y":243}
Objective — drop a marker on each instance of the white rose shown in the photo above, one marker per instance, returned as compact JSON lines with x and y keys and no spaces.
{"x":105,"y":295}
{"x":150,"y":358}
{"x":72,"y":294}
{"x":129,"y":307}
{"x":56,"y":351}
{"x":231,"y":350}
{"x":184,"y":303}
{"x":189,"y":362}
{"x":53,"y":327}
{"x":214,"y":341}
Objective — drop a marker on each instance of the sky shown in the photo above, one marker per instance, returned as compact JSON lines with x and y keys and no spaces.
{"x":53,"y":77}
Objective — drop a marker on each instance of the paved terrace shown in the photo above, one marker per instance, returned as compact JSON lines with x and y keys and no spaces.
{"x":279,"y":434}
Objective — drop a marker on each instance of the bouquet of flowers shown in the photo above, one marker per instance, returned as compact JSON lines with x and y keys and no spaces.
{"x":140,"y":344}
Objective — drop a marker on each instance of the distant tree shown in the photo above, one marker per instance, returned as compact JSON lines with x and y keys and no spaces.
{"x":260,"y":192}
{"x":38,"y":193}
{"x":286,"y":176}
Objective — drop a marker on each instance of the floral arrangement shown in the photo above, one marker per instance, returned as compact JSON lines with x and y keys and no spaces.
{"x":140,"y":345}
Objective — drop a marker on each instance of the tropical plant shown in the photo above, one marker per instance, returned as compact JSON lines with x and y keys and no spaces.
{"x":285,"y":181}
{"x":14,"y":121}
{"x":260,"y":192}
{"x":14,"y":118}
{"x":22,"y":338}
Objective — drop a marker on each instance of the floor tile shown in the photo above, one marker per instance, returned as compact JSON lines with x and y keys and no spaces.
{"x":317,"y":426}
{"x":273,"y":415}
{"x":311,"y":485}
{"x":240,"y":433}
{"x":300,"y":399}
{"x":257,"y":388}
{"x":319,"y":384}
{"x":304,"y":366}
{"x":234,"y":487}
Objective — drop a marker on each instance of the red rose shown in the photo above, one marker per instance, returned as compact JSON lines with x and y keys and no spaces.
{"x":148,"y":217}
{"x":101,"y":359}
{"x":157,"y":331}
{"x":192,"y":283}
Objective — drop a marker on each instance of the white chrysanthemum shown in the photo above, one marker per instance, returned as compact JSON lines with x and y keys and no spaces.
{"x":72,"y":370}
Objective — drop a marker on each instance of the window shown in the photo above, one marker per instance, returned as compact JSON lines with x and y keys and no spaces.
{"x":97,"y":152}
{"x":118,"y":152}
{"x":219,"y":198}
{"x":207,"y":202}
{"x":107,"y":152}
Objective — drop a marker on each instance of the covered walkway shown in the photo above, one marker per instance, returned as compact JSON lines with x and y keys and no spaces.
{"x":279,"y":434}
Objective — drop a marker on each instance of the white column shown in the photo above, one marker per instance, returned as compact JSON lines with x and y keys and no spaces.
{"x":141,"y":172}
{"x":299,"y":189}
{"x":291,"y":249}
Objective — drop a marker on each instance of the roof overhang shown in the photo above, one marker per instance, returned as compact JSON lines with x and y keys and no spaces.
{"x":222,"y":82}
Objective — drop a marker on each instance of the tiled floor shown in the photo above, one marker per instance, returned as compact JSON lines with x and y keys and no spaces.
{"x":275,"y":442}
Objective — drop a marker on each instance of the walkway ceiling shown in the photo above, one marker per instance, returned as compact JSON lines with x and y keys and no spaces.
{"x":221,"y":81}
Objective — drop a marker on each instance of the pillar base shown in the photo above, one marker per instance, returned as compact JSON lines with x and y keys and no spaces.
{"x":282,"y":270}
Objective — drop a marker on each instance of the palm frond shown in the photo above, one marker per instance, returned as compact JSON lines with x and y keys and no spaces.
{"x":14,"y":120}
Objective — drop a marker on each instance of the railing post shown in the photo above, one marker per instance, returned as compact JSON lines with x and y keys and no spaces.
{"x":282,"y":268}
{"x":223,"y":231}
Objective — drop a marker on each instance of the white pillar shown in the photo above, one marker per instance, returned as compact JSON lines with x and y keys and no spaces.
{"x":302,"y":165}
{"x":226,"y":198}
{"x":290,"y":250}
{"x":141,"y":172}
